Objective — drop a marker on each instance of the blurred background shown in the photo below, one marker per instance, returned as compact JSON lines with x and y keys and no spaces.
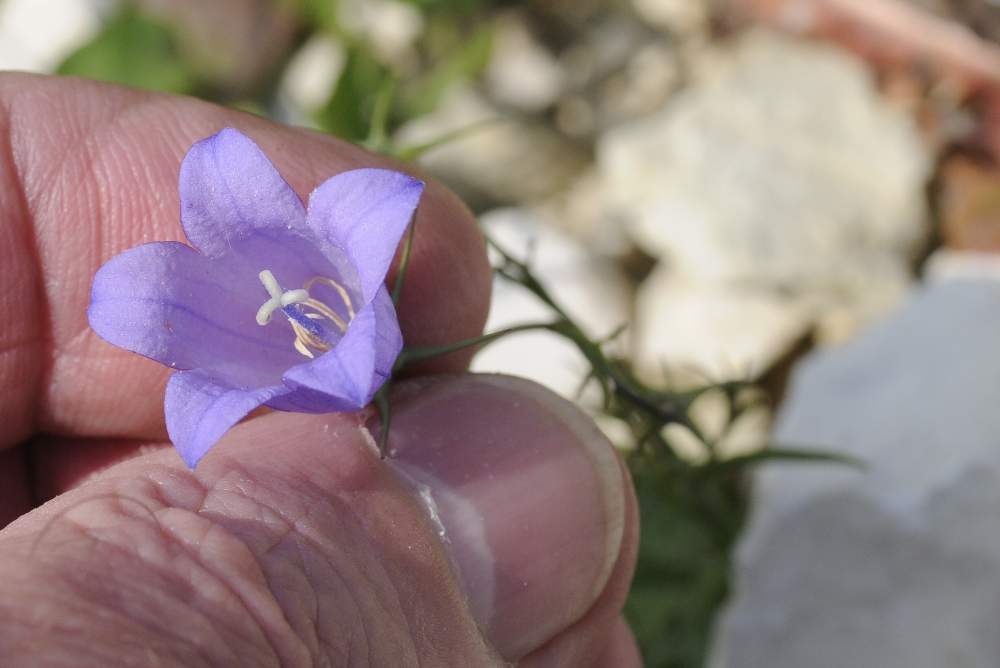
{"x":773,"y":226}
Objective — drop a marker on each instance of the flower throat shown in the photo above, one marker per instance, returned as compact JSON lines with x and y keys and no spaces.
{"x":309,"y":317}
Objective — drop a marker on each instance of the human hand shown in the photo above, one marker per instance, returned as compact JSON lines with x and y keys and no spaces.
{"x":501,"y":530}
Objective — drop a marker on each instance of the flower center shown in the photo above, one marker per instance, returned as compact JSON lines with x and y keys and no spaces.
{"x":310,"y":318}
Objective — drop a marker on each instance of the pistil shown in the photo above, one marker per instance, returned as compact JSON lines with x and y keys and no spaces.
{"x":309,"y":336}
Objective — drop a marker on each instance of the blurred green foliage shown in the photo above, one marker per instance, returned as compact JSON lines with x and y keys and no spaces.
{"x":348,"y":112}
{"x":452,"y":52}
{"x":689,"y":525}
{"x":321,"y":14}
{"x":134,"y":51}
{"x":465,"y":58}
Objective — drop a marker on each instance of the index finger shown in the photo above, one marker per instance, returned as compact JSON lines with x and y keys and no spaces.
{"x":88,"y":170}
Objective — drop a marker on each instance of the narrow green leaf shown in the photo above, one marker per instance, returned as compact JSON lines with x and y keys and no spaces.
{"x":378,"y":130}
{"x":414,"y":151}
{"x":464,"y":62}
{"x":787,"y":455}
{"x":347,"y":112}
{"x":411,"y":355}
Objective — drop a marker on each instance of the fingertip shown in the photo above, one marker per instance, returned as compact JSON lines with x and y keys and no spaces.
{"x":601,"y":637}
{"x":531,"y":499}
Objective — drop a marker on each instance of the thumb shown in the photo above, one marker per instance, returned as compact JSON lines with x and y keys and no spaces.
{"x":500,"y":530}
{"x":534,"y":507}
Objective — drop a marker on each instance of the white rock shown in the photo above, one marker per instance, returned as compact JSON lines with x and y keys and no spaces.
{"x":653,"y":72}
{"x":696,"y":332}
{"x":780,"y":164}
{"x":680,"y":16}
{"x":578,"y":210}
{"x":312,"y":73}
{"x":604,"y":48}
{"x":616,"y":71}
{"x":522,"y":72}
{"x":948,"y":264}
{"x":894,"y":566}
{"x":593,"y":292}
{"x":857,"y":299}
{"x":501,"y":159}
{"x":393,"y":27}
{"x":36,"y":35}
{"x":389,"y":26}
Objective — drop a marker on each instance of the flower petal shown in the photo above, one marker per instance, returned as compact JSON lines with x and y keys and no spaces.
{"x":388,"y":341}
{"x":199,"y":411}
{"x":388,"y":338}
{"x":167,"y":302}
{"x":229,"y":189}
{"x":342,"y":375}
{"x":364,"y":213}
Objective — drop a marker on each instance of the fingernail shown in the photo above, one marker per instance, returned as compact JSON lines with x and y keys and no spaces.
{"x":528,"y":496}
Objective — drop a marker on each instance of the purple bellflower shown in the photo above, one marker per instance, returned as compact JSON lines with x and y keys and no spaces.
{"x":275,"y":305}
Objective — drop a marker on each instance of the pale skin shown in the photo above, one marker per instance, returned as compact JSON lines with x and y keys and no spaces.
{"x":292,"y":543}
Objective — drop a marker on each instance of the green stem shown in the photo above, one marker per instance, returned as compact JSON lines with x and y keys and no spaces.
{"x":411,"y":153}
{"x":786,"y":455}
{"x":412,"y":355}
{"x":381,"y":401}
{"x":378,"y":130}
{"x":404,"y":263}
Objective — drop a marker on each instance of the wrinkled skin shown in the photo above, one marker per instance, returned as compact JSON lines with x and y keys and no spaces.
{"x":292,"y":543}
